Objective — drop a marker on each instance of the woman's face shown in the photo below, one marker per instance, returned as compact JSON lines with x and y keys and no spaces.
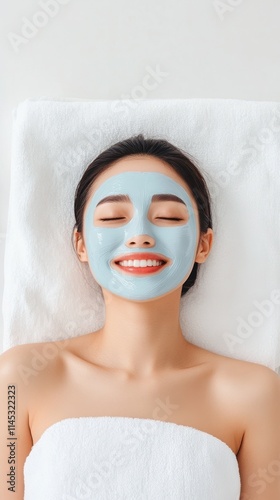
{"x":141,"y":229}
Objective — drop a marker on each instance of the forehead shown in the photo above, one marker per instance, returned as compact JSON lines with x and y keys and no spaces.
{"x":137,"y":164}
{"x":140,"y":188}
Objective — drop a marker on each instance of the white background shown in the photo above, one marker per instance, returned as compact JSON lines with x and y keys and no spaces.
{"x":103,"y":49}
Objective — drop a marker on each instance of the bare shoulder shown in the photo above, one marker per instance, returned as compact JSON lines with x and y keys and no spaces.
{"x":14,"y":399}
{"x":252,"y":375}
{"x":26,"y":371}
{"x":254,"y":401}
{"x":258,"y":385}
{"x":26,"y":362}
{"x":13,"y":361}
{"x":13,"y":358}
{"x":249,"y":383}
{"x":240,"y":382}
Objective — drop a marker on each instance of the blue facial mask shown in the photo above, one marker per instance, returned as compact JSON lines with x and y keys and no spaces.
{"x":177,"y":243}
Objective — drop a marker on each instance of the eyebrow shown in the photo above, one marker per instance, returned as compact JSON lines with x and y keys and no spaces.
{"x":125,"y":198}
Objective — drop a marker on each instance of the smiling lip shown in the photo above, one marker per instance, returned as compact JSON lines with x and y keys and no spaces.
{"x":140,"y":256}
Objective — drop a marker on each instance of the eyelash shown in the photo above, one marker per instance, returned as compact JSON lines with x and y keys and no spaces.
{"x":165,"y":218}
{"x":116,"y":218}
{"x":169,"y":218}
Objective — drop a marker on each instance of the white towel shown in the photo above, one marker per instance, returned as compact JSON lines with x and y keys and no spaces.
{"x":234,"y":307}
{"x":113,"y":458}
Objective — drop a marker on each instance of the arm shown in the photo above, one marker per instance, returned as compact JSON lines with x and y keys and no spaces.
{"x":14,"y":406}
{"x":259,"y":453}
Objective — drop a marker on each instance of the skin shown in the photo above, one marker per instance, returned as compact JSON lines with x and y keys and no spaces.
{"x":138,"y":358}
{"x":146,"y":353}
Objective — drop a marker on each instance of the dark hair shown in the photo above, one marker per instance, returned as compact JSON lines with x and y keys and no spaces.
{"x":165,"y":151}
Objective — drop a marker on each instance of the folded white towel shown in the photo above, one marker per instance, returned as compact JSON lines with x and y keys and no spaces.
{"x":113,"y":458}
{"x":234,"y":307}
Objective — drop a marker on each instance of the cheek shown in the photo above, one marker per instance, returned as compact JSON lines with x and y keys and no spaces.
{"x":179,"y":240}
{"x":102,"y":242}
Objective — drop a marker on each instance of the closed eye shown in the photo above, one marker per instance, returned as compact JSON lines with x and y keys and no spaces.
{"x":163,"y":218}
{"x":169,"y":218}
{"x":116,"y":218}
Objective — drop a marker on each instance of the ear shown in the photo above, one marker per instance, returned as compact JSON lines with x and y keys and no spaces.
{"x":80,"y":246}
{"x":205,"y":245}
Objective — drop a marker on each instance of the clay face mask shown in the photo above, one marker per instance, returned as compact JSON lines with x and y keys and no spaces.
{"x":173,"y":242}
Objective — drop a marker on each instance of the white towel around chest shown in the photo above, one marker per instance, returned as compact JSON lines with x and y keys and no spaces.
{"x":126,"y":458}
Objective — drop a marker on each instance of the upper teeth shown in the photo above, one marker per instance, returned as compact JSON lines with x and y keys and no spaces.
{"x":141,"y":263}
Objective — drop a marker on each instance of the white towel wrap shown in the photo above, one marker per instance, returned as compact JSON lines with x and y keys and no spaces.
{"x":126,"y":458}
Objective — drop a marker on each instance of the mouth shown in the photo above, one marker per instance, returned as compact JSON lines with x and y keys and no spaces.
{"x":140,"y":263}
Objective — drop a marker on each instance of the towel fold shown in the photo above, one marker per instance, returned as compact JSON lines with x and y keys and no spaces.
{"x":234,"y":307}
{"x":113,"y":458}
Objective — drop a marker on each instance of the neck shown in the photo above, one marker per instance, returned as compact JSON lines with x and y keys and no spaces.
{"x":142,"y":339}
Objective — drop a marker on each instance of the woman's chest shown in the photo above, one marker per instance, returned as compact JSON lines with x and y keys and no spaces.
{"x":187,"y":399}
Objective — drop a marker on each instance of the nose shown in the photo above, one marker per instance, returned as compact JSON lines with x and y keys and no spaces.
{"x":142,"y":240}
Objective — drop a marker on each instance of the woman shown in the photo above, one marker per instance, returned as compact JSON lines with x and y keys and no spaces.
{"x":143,"y":224}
